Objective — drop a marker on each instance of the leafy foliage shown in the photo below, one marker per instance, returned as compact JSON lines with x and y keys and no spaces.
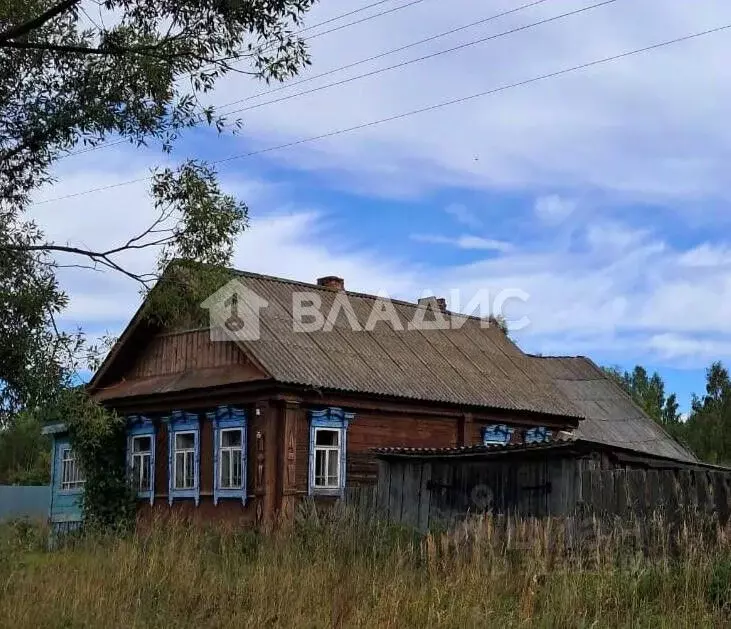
{"x":648,"y":393}
{"x":98,"y":437}
{"x":132,"y":68}
{"x":25,"y":454}
{"x":31,"y":351}
{"x":72,"y":73}
{"x":707,"y":429}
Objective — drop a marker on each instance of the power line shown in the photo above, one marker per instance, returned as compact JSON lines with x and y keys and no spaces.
{"x":388,"y":68}
{"x":386,"y":53}
{"x":413,"y":112}
{"x":266,"y":44}
{"x":432,"y":55}
{"x":337,"y":28}
{"x":342,"y":15}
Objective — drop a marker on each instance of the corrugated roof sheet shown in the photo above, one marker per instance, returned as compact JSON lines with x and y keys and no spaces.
{"x":611,"y":416}
{"x":558,"y":440}
{"x":473,"y":365}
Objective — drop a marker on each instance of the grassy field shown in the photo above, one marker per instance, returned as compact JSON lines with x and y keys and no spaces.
{"x":334,"y":572}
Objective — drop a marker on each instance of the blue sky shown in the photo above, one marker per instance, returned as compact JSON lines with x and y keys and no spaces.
{"x":602,"y":195}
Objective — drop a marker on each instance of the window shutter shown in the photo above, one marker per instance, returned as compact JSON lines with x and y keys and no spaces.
{"x":343,"y":457}
{"x":171,"y":470}
{"x":197,"y":483}
{"x":153,"y":450}
{"x":311,"y":474}
{"x":214,"y":417}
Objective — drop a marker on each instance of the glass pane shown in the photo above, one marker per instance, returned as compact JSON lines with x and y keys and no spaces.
{"x":141,"y":444}
{"x":231,"y":438}
{"x":320,"y":461}
{"x":136,"y":465}
{"x":185,"y":441}
{"x":189,"y":471}
{"x":141,"y":471}
{"x":179,"y":471}
{"x":236,"y":476}
{"x":332,"y":468}
{"x":326,"y":437}
{"x":226,"y":470}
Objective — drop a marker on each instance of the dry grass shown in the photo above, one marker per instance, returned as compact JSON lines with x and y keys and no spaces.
{"x":335,"y":572}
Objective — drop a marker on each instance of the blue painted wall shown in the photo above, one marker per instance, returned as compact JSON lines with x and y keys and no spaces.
{"x":65,"y":504}
{"x":24,"y":502}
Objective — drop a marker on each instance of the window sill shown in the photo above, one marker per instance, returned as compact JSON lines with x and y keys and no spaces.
{"x":321,"y":491}
{"x":71,"y":492}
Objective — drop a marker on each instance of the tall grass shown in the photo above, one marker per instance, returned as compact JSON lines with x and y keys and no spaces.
{"x":332,"y":570}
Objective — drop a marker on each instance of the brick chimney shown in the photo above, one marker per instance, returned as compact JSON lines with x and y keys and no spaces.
{"x":440,"y":302}
{"x":331,"y":281}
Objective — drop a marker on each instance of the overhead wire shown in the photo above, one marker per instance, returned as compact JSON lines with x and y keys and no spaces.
{"x":414,"y":112}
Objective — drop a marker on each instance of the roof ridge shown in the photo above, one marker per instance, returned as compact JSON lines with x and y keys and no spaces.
{"x":352,"y":293}
{"x":558,"y":357}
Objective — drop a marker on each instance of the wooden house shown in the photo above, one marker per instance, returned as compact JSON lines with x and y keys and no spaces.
{"x":240,"y":429}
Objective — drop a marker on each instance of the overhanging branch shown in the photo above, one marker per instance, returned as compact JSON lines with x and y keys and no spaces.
{"x":37,"y":22}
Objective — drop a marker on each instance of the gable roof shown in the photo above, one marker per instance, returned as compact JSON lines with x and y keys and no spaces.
{"x":470,"y":366}
{"x":610,"y":415}
{"x":473,"y":365}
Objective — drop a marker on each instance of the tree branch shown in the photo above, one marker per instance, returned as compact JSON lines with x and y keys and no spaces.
{"x":39,"y":21}
{"x":86,"y":50}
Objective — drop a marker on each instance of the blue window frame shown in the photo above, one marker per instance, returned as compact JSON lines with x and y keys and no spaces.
{"x":497,"y":434}
{"x":328,"y":451}
{"x":539,"y":434}
{"x":183,"y":456}
{"x":229,"y":453}
{"x":141,"y":440}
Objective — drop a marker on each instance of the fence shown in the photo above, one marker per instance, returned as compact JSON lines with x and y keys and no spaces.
{"x":24,"y":501}
{"x":426,"y":494}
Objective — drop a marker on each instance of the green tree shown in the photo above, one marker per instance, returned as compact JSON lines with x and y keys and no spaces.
{"x":708,"y":429}
{"x":74,"y":73}
{"x":78,"y":73}
{"x":25,"y":454}
{"x":648,"y":393}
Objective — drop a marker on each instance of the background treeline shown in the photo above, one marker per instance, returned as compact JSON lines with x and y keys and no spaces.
{"x":706,"y":429}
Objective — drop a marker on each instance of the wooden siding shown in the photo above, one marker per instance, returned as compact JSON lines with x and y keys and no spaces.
{"x":372,"y":430}
{"x":427,"y":493}
{"x":172,"y":353}
{"x":229,"y":508}
{"x":225,"y":512}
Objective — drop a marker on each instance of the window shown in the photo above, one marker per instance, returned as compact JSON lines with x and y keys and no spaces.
{"x":142,"y":463}
{"x":328,"y":451}
{"x":496,"y":434}
{"x":71,"y":475}
{"x":327,"y":458}
{"x":141,"y":445}
{"x":184,"y":460}
{"x":230,"y":456}
{"x":183,"y":456}
{"x":229,"y":453}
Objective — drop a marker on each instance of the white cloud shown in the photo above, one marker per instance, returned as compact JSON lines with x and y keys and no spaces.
{"x":553,"y":208}
{"x":465,"y":242}
{"x":650,"y":127}
{"x":462,"y":215}
{"x":676,"y":347}
{"x":706,"y":256}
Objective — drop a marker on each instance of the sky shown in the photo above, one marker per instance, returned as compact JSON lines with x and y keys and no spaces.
{"x":600,"y":195}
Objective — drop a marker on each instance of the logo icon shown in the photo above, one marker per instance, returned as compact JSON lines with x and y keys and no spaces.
{"x":234,"y":313}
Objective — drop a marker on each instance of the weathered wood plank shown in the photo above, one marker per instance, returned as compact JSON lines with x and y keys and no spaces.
{"x":424,"y":498}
